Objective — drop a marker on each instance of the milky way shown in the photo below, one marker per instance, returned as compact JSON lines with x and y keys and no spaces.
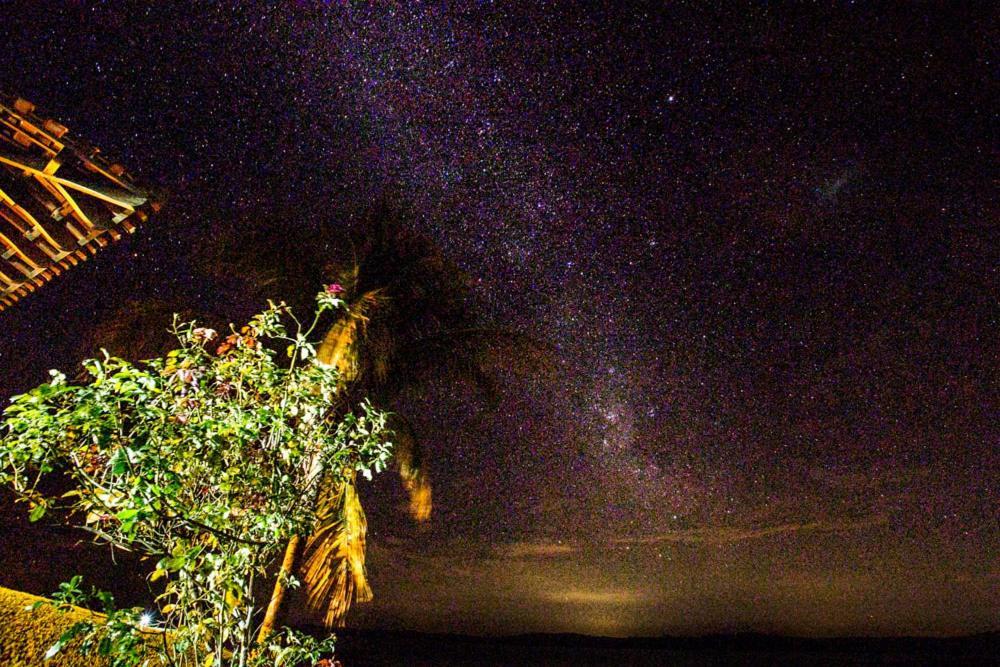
{"x":764,"y":245}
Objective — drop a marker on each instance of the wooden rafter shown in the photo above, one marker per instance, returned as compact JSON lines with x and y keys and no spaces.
{"x":60,"y":201}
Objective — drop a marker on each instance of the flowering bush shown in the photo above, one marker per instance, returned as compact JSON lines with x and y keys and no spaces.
{"x":208,"y":459}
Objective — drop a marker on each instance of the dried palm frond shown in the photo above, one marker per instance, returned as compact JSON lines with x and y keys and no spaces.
{"x":333,"y":567}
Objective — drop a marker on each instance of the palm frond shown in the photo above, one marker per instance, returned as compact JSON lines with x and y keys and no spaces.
{"x":333,"y":567}
{"x":476,"y":354}
{"x":136,"y":330}
{"x":340,"y":347}
{"x":416,"y":481}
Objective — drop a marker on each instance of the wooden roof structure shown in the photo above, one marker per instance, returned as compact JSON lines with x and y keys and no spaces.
{"x":60,"y":200}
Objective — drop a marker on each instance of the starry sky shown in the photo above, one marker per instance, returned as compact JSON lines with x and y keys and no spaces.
{"x":763,"y":241}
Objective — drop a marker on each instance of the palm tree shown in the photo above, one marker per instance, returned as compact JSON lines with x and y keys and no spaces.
{"x":408,"y":321}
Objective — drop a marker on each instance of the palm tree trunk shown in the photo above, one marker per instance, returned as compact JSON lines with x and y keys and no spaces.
{"x":273,"y":614}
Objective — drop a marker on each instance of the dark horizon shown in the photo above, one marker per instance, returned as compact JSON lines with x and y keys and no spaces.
{"x":390,"y":648}
{"x":764,"y":242}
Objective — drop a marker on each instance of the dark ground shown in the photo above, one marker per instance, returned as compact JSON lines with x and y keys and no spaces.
{"x":388,"y":648}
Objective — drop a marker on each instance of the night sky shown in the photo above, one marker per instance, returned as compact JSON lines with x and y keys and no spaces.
{"x":764,"y":242}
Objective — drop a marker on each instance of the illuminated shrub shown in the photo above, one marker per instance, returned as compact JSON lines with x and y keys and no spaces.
{"x":208,"y":459}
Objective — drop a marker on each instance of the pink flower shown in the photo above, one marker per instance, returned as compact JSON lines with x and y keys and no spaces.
{"x":334,"y":288}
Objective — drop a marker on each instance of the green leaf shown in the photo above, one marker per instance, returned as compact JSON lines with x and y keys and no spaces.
{"x":127,"y":515}
{"x":37,"y":512}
